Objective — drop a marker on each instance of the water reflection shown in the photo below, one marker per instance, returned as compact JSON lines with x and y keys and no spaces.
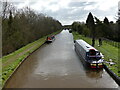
{"x":91,"y":73}
{"x":94,"y":73}
{"x":56,"y":65}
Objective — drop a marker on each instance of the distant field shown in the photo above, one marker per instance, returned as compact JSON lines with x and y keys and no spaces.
{"x":109,"y":52}
{"x":11,"y":61}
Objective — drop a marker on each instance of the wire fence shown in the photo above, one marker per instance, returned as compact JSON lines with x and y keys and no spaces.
{"x":113,"y":43}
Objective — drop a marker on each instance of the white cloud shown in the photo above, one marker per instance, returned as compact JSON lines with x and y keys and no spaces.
{"x":103,"y":5}
{"x":39,"y":5}
{"x":68,"y":11}
{"x":52,"y":5}
{"x":108,"y":4}
{"x":90,"y":7}
{"x":23,"y":4}
{"x":119,"y":5}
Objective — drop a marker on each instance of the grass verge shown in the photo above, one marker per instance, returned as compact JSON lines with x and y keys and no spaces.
{"x":13,"y":60}
{"x":109,"y":52}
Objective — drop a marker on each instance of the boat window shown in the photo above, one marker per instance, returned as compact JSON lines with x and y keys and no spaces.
{"x":97,"y":53}
{"x":92,"y":52}
{"x":94,"y":58}
{"x":87,"y":47}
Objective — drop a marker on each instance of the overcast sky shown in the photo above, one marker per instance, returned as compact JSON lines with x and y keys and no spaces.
{"x":67,"y":11}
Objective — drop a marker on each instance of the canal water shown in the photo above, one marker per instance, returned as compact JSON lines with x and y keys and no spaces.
{"x":56,"y":65}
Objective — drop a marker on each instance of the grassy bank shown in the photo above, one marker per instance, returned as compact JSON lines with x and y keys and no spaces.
{"x":11,"y":61}
{"x":109,"y":52}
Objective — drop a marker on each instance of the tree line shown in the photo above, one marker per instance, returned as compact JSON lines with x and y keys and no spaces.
{"x":22,"y":26}
{"x":96,"y":28}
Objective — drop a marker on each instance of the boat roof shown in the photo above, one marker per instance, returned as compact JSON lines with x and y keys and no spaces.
{"x":85,"y":45}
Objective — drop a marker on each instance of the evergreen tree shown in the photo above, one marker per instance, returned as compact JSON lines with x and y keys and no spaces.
{"x":106,"y":21}
{"x":91,"y":25}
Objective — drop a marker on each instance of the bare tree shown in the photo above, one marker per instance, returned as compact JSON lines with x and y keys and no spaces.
{"x":7,"y":7}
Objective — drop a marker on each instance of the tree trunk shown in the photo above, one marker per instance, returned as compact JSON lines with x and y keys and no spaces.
{"x":93,"y":41}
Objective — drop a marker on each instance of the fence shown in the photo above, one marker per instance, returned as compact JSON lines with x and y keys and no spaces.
{"x":113,"y":43}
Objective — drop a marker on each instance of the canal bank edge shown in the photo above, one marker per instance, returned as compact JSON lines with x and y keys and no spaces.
{"x":19,"y":66}
{"x":113,"y":75}
{"x":23,"y":61}
{"x":110,"y":72}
